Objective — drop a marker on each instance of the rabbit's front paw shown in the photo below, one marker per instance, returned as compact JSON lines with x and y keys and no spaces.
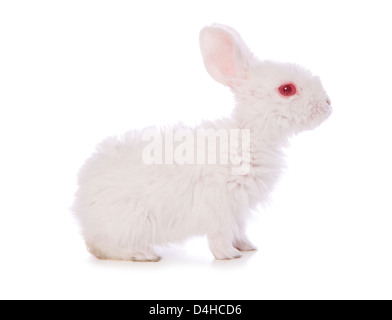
{"x":226,"y":253}
{"x":223,"y":250}
{"x":244,"y":245}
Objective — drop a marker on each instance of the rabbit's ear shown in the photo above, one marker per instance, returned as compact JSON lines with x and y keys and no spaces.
{"x":225,"y":54}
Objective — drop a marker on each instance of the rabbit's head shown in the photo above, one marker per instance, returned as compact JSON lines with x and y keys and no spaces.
{"x":281,"y":97}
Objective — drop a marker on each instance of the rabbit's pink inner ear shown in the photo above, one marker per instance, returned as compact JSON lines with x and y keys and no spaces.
{"x":218,"y":52}
{"x":225,"y":58}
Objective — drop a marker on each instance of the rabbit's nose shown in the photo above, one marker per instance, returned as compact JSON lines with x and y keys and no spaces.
{"x":328,"y":101}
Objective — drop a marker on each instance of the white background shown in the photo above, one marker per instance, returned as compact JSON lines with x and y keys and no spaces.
{"x":74,"y":72}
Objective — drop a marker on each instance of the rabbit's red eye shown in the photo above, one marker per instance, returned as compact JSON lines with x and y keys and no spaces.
{"x":287,"y":90}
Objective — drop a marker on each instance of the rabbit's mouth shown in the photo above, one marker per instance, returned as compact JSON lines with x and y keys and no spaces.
{"x":319,"y":113}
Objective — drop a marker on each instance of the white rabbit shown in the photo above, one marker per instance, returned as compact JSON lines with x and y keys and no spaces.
{"x":126,"y":205}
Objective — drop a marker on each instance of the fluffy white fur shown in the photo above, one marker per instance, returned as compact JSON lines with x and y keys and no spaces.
{"x":125,"y":206}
